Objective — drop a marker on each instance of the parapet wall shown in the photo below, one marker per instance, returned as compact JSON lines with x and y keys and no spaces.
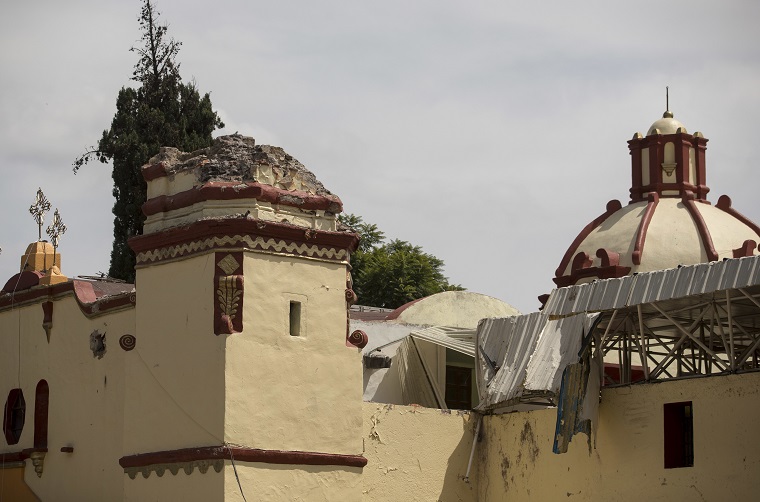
{"x":416,"y":453}
{"x":516,"y":462}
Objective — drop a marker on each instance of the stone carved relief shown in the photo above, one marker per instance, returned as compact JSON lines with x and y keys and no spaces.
{"x":228,"y":293}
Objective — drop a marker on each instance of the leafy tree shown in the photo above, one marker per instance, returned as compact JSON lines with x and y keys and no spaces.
{"x":394,"y":273}
{"x":162,"y":111}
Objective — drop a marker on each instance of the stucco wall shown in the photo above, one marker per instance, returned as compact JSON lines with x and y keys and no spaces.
{"x":86,"y":405}
{"x":293,"y":392}
{"x":288,"y":483}
{"x":516,"y":461}
{"x":175,"y":375}
{"x":417,"y":454}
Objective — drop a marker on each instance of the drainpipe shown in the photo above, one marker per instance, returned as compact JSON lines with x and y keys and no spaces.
{"x":472,"y":451}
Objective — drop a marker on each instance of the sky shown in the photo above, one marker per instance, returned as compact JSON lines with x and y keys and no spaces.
{"x":489,"y":133}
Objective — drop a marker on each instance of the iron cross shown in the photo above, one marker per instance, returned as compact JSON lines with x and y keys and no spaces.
{"x":55,"y":231}
{"x":38,"y":210}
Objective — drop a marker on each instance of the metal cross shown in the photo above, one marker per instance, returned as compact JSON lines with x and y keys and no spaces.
{"x":38,"y":210}
{"x":55,"y":231}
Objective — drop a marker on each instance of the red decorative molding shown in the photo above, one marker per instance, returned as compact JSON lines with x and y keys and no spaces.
{"x":357,"y":339}
{"x":641,"y":234}
{"x":610,"y":268}
{"x":351,"y":297}
{"x":682,"y":142}
{"x":242,"y":190}
{"x":47,"y":318}
{"x":41,"y":403}
{"x":746,"y":249}
{"x":609,"y":258}
{"x":89,"y":304}
{"x":581,"y":260}
{"x":204,"y":229}
{"x":724,"y":204}
{"x":23,"y":280}
{"x":704,"y":232}
{"x":228,"y":293}
{"x":394,"y":315}
{"x":241,"y":454}
{"x":612,"y":206}
{"x":127,"y":342}
{"x":154,"y":171}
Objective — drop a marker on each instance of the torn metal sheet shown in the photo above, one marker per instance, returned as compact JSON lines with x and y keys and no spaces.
{"x":521,"y":359}
{"x":578,"y":403}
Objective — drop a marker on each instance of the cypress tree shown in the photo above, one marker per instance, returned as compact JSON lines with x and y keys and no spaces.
{"x":161,"y":111}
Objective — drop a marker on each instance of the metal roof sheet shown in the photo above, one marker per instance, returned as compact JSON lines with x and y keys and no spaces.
{"x":530,"y":351}
{"x":649,"y":287}
{"x":458,"y":339}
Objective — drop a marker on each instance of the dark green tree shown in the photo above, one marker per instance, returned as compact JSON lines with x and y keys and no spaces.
{"x":161,"y":111}
{"x":391,"y":274}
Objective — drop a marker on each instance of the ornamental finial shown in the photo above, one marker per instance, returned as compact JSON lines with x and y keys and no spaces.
{"x":38,"y":210}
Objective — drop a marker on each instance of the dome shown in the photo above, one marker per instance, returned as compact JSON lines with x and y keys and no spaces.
{"x":461,"y":309}
{"x":668,"y":221}
{"x":666,"y":125}
{"x":646,"y":236}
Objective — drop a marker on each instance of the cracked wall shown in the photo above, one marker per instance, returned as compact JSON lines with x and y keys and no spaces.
{"x":417,"y":453}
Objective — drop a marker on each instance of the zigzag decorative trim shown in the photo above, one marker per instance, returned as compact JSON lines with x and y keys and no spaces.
{"x":258,"y":243}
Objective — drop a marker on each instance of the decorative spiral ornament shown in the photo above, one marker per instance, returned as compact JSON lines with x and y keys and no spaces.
{"x":127,"y":342}
{"x":132,"y":298}
{"x":358,"y":339}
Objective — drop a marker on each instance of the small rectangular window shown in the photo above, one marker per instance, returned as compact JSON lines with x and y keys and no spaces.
{"x":295,"y":318}
{"x":679,"y":435}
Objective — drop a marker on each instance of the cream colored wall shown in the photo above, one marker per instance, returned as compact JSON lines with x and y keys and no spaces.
{"x":175,"y":375}
{"x":417,"y":454}
{"x":516,"y":461}
{"x":286,"y":483}
{"x":85,"y":401}
{"x":293,"y":393}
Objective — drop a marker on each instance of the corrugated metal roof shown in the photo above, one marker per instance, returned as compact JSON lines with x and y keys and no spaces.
{"x":417,"y":387}
{"x":530,"y":352}
{"x":458,"y":339}
{"x":648,"y":287}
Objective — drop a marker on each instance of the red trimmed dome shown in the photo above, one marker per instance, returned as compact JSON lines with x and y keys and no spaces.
{"x":668,"y":221}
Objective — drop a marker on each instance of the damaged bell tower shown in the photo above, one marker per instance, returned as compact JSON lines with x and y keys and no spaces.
{"x":255,"y":367}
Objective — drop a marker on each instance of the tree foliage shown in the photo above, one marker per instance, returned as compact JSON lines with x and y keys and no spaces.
{"x":394,"y":273}
{"x":162,"y":111}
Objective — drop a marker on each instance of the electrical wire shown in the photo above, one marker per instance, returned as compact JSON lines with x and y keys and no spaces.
{"x":234,"y":469}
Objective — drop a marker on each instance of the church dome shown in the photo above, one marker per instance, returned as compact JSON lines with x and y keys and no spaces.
{"x":666,"y":125}
{"x":668,"y":221}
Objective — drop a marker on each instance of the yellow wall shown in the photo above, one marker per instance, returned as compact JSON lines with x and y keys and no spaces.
{"x":417,"y":453}
{"x":287,"y":483}
{"x":13,"y":487}
{"x":86,"y":397}
{"x":517,"y":462}
{"x":293,"y":392}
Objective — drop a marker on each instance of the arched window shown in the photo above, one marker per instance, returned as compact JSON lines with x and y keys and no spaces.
{"x":14,"y":416}
{"x":41,"y":414}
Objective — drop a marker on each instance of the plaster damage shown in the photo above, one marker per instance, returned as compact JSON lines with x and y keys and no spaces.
{"x":239,"y":158}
